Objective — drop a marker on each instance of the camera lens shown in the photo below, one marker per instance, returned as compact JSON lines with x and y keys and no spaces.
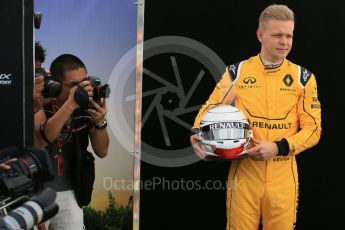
{"x":27,"y":165}
{"x":51,"y":88}
{"x":101,"y":91}
{"x":29,"y":172}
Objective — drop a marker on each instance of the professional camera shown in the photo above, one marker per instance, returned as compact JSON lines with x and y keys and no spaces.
{"x":99,"y":91}
{"x":32,"y":168}
{"x":37,"y":20}
{"x":36,"y":210}
{"x":25,"y":178}
{"x":51,"y":88}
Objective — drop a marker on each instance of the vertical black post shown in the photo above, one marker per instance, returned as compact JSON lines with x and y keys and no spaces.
{"x":16,"y":73}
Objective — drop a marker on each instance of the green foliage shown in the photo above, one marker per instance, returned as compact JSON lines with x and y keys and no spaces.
{"x":112,"y":218}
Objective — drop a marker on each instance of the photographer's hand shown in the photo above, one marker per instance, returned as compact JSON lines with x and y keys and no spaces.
{"x":5,"y":165}
{"x":81,"y":91}
{"x":99,"y":137}
{"x":98,"y":115}
{"x":88,"y":88}
{"x":39,"y":100}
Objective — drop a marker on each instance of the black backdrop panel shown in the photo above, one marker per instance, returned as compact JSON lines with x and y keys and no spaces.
{"x":228,"y":28}
{"x":16,"y":69}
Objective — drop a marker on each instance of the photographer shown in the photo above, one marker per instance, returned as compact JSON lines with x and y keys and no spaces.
{"x":40,"y":55}
{"x":39,"y":100}
{"x":64,"y":128}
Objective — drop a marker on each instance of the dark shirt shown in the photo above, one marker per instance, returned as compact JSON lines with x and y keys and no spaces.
{"x":65,"y":181}
{"x":67,"y":140}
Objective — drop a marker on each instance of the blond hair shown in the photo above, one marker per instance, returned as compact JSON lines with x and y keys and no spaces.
{"x":278,"y":12}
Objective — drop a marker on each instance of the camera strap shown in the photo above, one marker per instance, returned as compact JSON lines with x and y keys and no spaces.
{"x":60,"y":141}
{"x":59,"y":157}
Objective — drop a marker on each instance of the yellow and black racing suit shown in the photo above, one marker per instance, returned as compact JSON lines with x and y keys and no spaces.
{"x":282,"y":106}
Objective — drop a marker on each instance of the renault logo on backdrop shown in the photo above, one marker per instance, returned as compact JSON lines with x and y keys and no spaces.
{"x":249,"y":80}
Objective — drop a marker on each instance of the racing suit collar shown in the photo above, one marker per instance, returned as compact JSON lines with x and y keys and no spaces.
{"x":269,"y":69}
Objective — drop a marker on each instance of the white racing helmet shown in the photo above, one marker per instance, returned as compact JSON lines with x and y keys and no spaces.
{"x":224,"y":132}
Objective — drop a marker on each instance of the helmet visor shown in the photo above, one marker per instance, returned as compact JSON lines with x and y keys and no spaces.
{"x":225,"y":131}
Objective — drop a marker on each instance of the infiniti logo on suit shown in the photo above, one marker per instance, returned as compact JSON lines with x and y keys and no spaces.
{"x":249,"y":80}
